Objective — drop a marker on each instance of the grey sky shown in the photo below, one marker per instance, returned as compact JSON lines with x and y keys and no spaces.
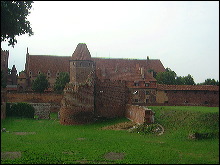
{"x":184,"y":35}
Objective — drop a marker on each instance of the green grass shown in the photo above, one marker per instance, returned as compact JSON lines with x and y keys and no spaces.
{"x":59,"y":144}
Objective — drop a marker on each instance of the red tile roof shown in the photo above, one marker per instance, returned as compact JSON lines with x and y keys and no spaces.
{"x":188,"y":87}
{"x":115,"y":69}
{"x":43,"y":63}
{"x":156,"y":65}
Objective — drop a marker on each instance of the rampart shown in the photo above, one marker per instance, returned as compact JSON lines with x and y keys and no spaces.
{"x":110,"y":98}
{"x":77,"y":105}
{"x":52,"y":98}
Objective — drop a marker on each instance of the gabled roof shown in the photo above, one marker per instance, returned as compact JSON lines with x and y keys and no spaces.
{"x":156,"y":65}
{"x":127,"y":69}
{"x":43,"y":63}
{"x":188,"y":87}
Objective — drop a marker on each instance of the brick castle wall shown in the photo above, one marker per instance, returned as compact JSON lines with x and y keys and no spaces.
{"x":110,"y":98}
{"x":77,"y":105}
{"x":195,"y":98}
{"x":52,"y":98}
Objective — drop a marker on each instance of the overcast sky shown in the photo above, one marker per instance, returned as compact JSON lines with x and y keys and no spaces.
{"x":183,"y":35}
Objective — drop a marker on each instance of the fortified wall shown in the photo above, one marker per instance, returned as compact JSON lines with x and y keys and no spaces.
{"x":77,"y":105}
{"x":52,"y":98}
{"x":110,"y":98}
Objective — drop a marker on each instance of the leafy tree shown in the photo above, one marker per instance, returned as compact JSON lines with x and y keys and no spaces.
{"x":179,"y":80}
{"x":14,"y":20}
{"x":188,"y":80}
{"x":209,"y":82}
{"x":167,"y":77}
{"x":40,"y":84}
{"x":61,"y":81}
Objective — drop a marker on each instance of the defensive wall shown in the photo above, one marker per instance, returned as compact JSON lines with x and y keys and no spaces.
{"x":110,"y":98}
{"x":52,"y":98}
{"x":77,"y":105}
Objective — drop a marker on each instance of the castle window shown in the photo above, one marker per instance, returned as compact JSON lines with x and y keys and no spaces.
{"x":206,"y":102}
{"x":186,"y":101}
{"x":136,"y":84}
{"x":146,"y":100}
{"x":147,"y":92}
{"x":136,"y":100}
{"x":48,"y":74}
{"x":38,"y":72}
{"x":30,"y":72}
{"x":165,"y":91}
{"x":166,"y":102}
{"x":215,"y":92}
{"x":58,"y":74}
{"x":146,"y":84}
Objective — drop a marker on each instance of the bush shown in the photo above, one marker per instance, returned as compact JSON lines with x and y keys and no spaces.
{"x":20,"y":110}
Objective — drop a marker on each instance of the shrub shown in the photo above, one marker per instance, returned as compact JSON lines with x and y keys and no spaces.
{"x":20,"y":110}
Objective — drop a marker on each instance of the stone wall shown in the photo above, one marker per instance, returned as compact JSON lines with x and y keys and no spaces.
{"x":139,"y":114}
{"x":110,"y":98}
{"x":42,"y":110}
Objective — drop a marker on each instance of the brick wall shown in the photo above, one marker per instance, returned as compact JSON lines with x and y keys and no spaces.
{"x":34,"y":97}
{"x":110,"y":98}
{"x":3,"y":103}
{"x":77,"y":105}
{"x":139,"y":114}
{"x":194,"y":98}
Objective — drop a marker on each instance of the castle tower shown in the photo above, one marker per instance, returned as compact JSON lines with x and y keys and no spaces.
{"x":14,"y":75}
{"x":4,"y":63}
{"x":77,"y":105}
{"x":81,"y":65}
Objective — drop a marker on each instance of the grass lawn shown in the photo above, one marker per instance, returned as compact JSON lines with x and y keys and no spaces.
{"x":48,"y":142}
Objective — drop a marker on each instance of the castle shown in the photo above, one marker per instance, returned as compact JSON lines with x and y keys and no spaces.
{"x":104,"y":87}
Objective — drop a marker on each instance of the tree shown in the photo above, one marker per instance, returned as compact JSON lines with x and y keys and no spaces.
{"x":210,"y":82}
{"x":14,"y":20}
{"x":61,"y":81}
{"x":167,"y":77}
{"x":188,"y":80}
{"x":40,"y":84}
{"x":179,"y":80}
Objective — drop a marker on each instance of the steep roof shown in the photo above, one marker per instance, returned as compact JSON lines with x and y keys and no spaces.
{"x":188,"y":87}
{"x":156,"y":65}
{"x":81,"y":52}
{"x":127,"y":69}
{"x":43,"y":63}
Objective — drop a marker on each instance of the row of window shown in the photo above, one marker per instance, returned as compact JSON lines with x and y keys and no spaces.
{"x":83,"y":64}
{"x":48,"y":74}
{"x":137,"y":92}
{"x":137,"y":84}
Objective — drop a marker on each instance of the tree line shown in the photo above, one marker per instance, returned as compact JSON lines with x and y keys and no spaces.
{"x":169,"y":77}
